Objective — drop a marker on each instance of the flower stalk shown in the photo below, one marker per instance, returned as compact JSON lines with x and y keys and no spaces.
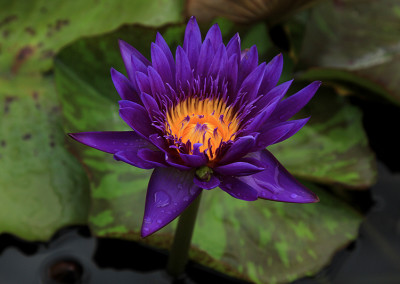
{"x":179,"y":253}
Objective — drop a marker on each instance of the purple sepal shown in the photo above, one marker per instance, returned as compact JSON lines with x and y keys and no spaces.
{"x":111,"y":141}
{"x":276,"y":183}
{"x":169,"y":193}
{"x":238,"y":169}
{"x":238,"y":189}
{"x":141,"y":159}
{"x":212,"y":183}
{"x":124,"y":87}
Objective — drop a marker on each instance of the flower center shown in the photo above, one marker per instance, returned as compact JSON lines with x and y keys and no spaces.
{"x":208,"y":121}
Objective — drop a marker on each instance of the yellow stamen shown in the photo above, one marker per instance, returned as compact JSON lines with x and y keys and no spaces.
{"x":202,"y":121}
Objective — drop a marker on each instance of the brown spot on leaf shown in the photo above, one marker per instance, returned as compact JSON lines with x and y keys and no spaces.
{"x":21,"y":57}
{"x":48,"y":53}
{"x":7,"y":101}
{"x":60,"y":24}
{"x":8,"y":20}
{"x":30,"y":31}
{"x":26,"y":136}
{"x":3,"y":143}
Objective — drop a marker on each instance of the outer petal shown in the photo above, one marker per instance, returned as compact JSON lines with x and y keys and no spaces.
{"x":252,"y":83}
{"x":131,"y":114}
{"x":192,"y":42}
{"x":290,"y":106}
{"x":276,"y":183}
{"x":218,"y":65}
{"x":238,"y":169}
{"x":127,"y":51}
{"x":272,"y":74}
{"x":124,"y":88}
{"x":205,"y":58}
{"x":215,"y":36}
{"x":169,"y":193}
{"x":142,"y":158}
{"x":184,"y":73}
{"x":248,"y":63}
{"x":161,"y":64}
{"x":111,"y":141}
{"x":238,"y":189}
{"x":276,"y":93}
{"x":233,"y":48}
{"x":167,"y":51}
{"x":194,"y":161}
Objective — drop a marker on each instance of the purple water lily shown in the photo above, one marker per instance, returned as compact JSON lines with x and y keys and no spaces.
{"x":203,"y":120}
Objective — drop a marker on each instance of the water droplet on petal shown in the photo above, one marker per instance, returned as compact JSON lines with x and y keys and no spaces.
{"x":293,"y":195}
{"x":159,"y":221}
{"x":147,"y":220}
{"x":175,"y":203}
{"x":186,"y":198}
{"x":161,"y":199}
{"x":193,"y":190}
{"x":146,"y":229}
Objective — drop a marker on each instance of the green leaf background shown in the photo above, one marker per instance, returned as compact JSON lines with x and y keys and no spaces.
{"x":55,"y":60}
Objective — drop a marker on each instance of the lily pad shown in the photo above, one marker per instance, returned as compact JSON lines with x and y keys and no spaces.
{"x":258,"y":241}
{"x":357,"y":37}
{"x":33,"y":32}
{"x":42,"y":186}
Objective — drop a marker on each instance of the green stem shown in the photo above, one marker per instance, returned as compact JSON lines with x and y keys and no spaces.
{"x":179,"y":254}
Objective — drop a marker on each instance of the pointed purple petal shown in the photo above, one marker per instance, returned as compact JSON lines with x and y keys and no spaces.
{"x":111,"y":141}
{"x":276,"y":183}
{"x":212,"y":183}
{"x":232,"y":73}
{"x":161,"y":64}
{"x":205,"y":58}
{"x":290,"y":106}
{"x":247,"y":64}
{"x":219,"y":63}
{"x":276,"y":93}
{"x":192,"y":42}
{"x":167,"y":51}
{"x":238,"y":149}
{"x":169,"y":193}
{"x":143,"y":83}
{"x":272,"y":74}
{"x":215,"y":36}
{"x":262,"y":117}
{"x":131,"y":114}
{"x":233,"y":48}
{"x":184,"y":73}
{"x":238,"y":189}
{"x":176,"y":162}
{"x":127,"y":51}
{"x":150,"y":104}
{"x":124,"y":87}
{"x":137,"y":66}
{"x":156,"y":82}
{"x":238,"y":169}
{"x":252,"y":83}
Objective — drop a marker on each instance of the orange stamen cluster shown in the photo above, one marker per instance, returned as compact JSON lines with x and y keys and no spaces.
{"x":207,"y":121}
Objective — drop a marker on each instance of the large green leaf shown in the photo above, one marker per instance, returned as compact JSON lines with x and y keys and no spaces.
{"x":34,"y":31}
{"x":42,"y":186}
{"x":356,"y":37}
{"x":259,"y":241}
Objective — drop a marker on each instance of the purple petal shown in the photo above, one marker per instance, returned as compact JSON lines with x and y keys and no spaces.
{"x":192,"y":42}
{"x":169,"y":193}
{"x":205,"y":58}
{"x":215,"y":36}
{"x":127,"y":51}
{"x":184,"y":75}
{"x":212,"y":183}
{"x":232,"y":74}
{"x":111,"y":141}
{"x":238,"y":149}
{"x":143,"y":83}
{"x":167,"y":51}
{"x":278,"y":133}
{"x":156,"y":82}
{"x":272,"y":74}
{"x":194,"y":161}
{"x":124,"y":88}
{"x":276,"y":183}
{"x":238,"y":169}
{"x":247,"y":64}
{"x":252,"y":83}
{"x":159,"y":142}
{"x":238,"y":189}
{"x":233,"y":48}
{"x":218,"y":65}
{"x":137,"y":66}
{"x":150,"y":104}
{"x":276,"y":93}
{"x":290,"y":106}
{"x":176,"y":162}
{"x":262,"y":117}
{"x":131,"y":114}
{"x":141,"y":158}
{"x":161,"y":64}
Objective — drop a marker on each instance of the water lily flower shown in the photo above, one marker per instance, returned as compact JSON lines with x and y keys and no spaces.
{"x":203,"y":120}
